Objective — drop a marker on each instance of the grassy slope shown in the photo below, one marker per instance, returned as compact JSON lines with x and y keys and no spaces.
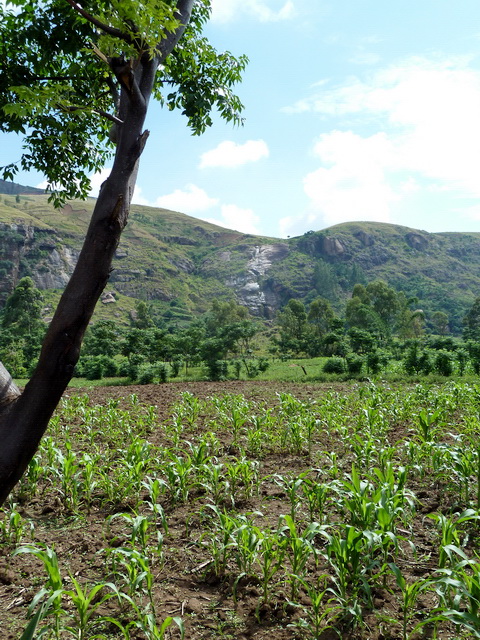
{"x":183,"y":263}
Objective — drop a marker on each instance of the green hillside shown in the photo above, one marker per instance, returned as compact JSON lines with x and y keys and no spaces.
{"x":181,"y":264}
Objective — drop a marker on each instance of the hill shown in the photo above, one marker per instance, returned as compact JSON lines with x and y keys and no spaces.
{"x":181,"y":263}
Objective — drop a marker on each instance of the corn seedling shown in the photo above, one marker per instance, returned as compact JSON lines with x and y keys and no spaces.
{"x":178,"y":474}
{"x":132,"y":567}
{"x":146,"y":622}
{"x":301,"y":549}
{"x":221,"y":541}
{"x":459,"y":590}
{"x":316,"y":495}
{"x":246,"y":539}
{"x":291,"y":486}
{"x":270,"y":561}
{"x":49,"y":598}
{"x":451,"y":536}
{"x":155,"y":488}
{"x":213,"y":482}
{"x":12,"y":525}
{"x":408,"y":598}
{"x":320,"y":615}
{"x":85,"y":603}
{"x":349,"y":555}
{"x":428,"y":425}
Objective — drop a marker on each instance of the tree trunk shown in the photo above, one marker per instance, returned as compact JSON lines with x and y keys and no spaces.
{"x":24,"y":417}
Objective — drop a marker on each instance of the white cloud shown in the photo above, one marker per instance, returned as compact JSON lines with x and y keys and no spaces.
{"x":426,"y":115}
{"x":230,"y":154}
{"x":262,"y":10}
{"x":234,"y":217}
{"x":355,"y":186}
{"x":191,"y":200}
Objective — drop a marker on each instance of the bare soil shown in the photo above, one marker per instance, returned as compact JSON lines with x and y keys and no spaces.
{"x":185,"y":586}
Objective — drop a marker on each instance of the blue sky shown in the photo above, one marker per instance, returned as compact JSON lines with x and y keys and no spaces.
{"x":355,"y":110}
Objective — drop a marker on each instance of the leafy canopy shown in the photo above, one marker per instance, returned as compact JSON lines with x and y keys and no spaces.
{"x":59,"y":91}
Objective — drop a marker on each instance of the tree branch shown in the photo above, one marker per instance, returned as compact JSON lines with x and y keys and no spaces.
{"x":116,"y":33}
{"x":167,"y":44}
{"x":99,"y":112}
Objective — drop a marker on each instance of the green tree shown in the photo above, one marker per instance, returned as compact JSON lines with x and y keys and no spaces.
{"x":384,"y":301}
{"x":471,"y":322}
{"x":292,"y":323}
{"x":22,"y":328}
{"x":102,"y":338}
{"x":360,"y":315}
{"x":142,"y":318}
{"x":320,"y":316}
{"x":223,"y":314}
{"x":439,"y":322}
{"x":187,"y":343}
{"x":76,"y":82}
{"x":22,"y":311}
{"x":325,"y":280}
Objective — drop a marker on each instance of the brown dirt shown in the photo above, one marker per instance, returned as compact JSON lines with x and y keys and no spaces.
{"x":186,"y":586}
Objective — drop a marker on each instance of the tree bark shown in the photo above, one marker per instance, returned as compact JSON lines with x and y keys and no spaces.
{"x":24,"y":417}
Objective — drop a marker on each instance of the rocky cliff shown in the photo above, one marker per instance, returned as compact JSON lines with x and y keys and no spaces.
{"x":181,"y":264}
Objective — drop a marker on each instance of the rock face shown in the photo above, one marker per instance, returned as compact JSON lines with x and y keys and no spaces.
{"x":249,"y":288}
{"x":416,"y":241}
{"x":365,"y":238}
{"x":27,"y":250}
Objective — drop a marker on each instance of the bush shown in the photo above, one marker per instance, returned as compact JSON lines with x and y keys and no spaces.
{"x":334,"y":365}
{"x":417,"y":361}
{"x":354,"y":364}
{"x":444,"y":363}
{"x":133,"y":367}
{"x":109,"y":366}
{"x":145,"y":374}
{"x":374,"y":363}
{"x":462,"y":360}
{"x":237,"y":368}
{"x":474,"y":353}
{"x":92,"y":368}
{"x":442,"y":343}
{"x":175,"y":367}
{"x":217,"y":369}
{"x":162,"y":372}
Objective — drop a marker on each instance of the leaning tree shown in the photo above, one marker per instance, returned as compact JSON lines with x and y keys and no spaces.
{"x":75,"y":82}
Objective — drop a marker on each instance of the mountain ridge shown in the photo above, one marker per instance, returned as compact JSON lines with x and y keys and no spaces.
{"x":180,"y":263}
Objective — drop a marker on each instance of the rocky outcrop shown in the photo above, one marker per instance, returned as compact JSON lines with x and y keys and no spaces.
{"x":249,"y":288}
{"x":365,"y":238}
{"x":54,"y":271}
{"x":27,"y":250}
{"x":416,"y":241}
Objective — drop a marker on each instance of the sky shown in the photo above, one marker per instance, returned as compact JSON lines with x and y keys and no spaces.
{"x":354,"y":110}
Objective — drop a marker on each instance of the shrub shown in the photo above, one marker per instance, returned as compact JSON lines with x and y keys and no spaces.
{"x":354,"y":364}
{"x":462,"y":360}
{"x":175,"y":367}
{"x":92,"y":368}
{"x":133,"y":367}
{"x":444,"y":363}
{"x":109,"y":366}
{"x":217,"y":369}
{"x":162,"y":372}
{"x":374,"y":363}
{"x":474,"y":353}
{"x":145,"y":374}
{"x":334,"y":365}
{"x":237,"y":367}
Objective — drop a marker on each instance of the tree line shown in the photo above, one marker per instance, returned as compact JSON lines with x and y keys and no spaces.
{"x":379,"y":325}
